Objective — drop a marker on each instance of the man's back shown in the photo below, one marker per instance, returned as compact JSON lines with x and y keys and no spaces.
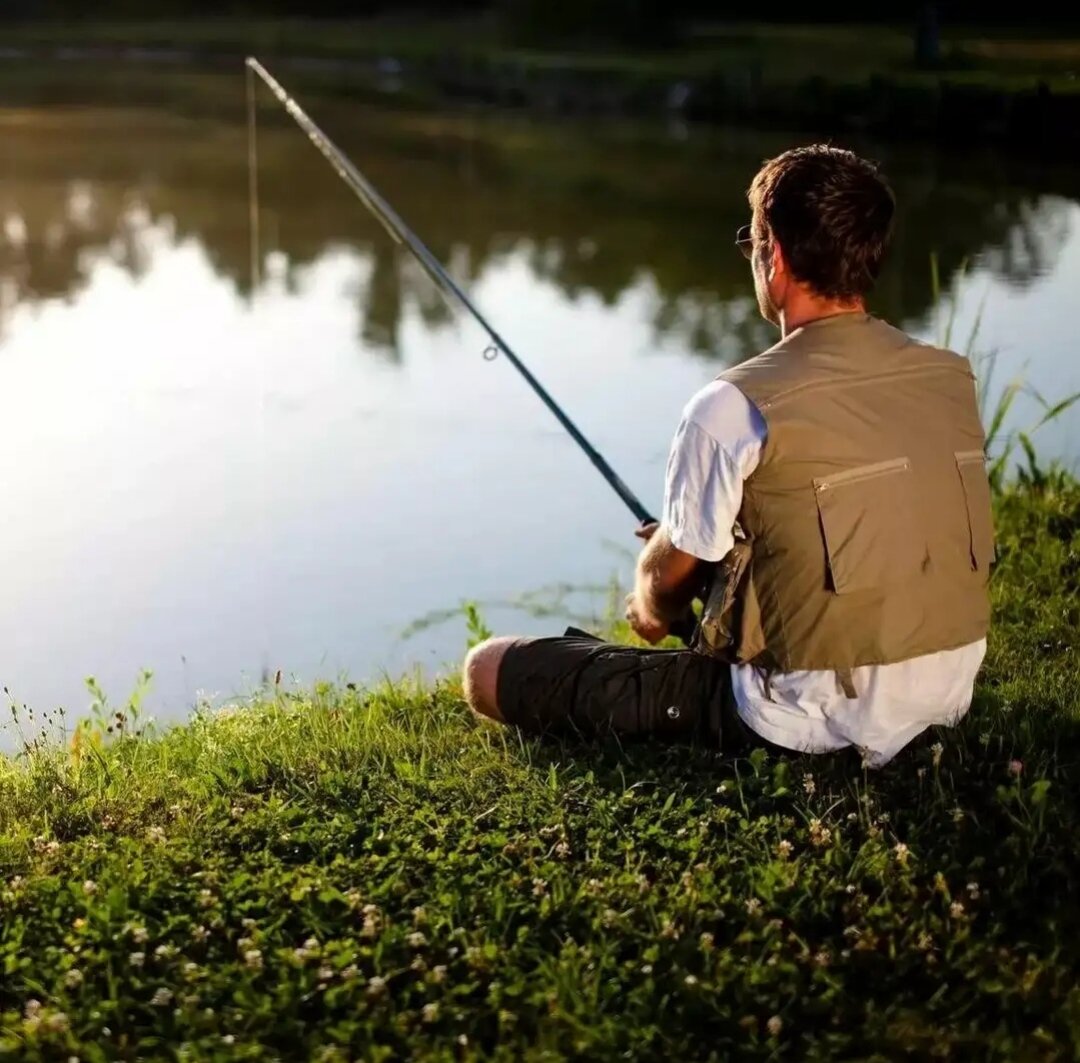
{"x":868,"y":514}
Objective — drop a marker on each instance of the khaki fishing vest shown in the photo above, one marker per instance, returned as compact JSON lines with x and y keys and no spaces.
{"x":868,"y":527}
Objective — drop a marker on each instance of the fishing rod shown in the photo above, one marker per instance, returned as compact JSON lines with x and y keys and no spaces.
{"x":402,"y":234}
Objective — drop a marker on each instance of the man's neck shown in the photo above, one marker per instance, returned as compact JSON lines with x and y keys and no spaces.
{"x":806,"y":309}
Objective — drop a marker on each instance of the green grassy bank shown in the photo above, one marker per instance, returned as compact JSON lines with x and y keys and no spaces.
{"x":988,"y":86}
{"x":350,"y":874}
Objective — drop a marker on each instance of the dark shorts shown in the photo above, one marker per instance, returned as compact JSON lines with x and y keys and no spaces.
{"x":578,"y":684}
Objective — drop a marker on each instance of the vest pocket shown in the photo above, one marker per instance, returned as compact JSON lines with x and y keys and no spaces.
{"x":871,"y":537}
{"x":971,"y":464}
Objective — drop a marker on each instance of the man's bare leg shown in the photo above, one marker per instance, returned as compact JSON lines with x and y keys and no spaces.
{"x":480,"y":676}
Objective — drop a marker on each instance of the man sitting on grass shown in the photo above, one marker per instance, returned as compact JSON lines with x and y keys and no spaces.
{"x":840,"y":480}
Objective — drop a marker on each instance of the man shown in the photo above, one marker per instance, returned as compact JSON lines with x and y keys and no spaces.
{"x":838,"y":478}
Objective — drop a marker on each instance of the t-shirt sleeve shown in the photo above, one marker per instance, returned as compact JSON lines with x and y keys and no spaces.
{"x":716,"y":447}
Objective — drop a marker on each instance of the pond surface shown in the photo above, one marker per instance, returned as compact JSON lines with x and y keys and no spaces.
{"x":216,"y":479}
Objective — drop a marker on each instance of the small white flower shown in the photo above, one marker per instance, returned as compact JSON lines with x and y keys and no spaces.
{"x":376,"y":986}
{"x":539,"y":887}
{"x":199,"y":933}
{"x":925,"y":942}
{"x":973,"y":890}
{"x":191,"y":969}
{"x":312,"y":944}
{"x":936,"y":750}
{"x":646,"y":968}
{"x":956,"y":910}
{"x":808,"y":784}
{"x":419,"y":915}
{"x":253,"y":959}
{"x":753,"y":906}
{"x":431,"y":1012}
{"x":902,"y":853}
{"x":690,"y":980}
{"x":784,"y":849}
{"x":707,"y":942}
{"x":463,"y":1040}
{"x":162,"y":998}
{"x":165,"y":952}
{"x":228,"y":1039}
{"x":248,"y":924}
{"x":325,"y":974}
{"x":417,"y":940}
{"x":139,"y":935}
{"x":74,"y":978}
{"x":850,"y":887}
{"x":57,"y":1022}
{"x":155,"y":834}
{"x":350,"y":973}
{"x":137,"y":959}
{"x":822,"y":958}
{"x":774,"y":1026}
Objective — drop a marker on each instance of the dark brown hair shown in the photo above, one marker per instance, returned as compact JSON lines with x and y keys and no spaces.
{"x":832,"y":214}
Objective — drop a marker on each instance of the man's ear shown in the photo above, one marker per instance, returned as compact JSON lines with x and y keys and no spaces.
{"x":777,"y":262}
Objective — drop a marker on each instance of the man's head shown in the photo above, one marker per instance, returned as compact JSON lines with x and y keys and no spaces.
{"x":822,"y":218}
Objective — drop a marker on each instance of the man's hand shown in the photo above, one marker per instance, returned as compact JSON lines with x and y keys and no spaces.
{"x":651,"y":628}
{"x":646,"y":531}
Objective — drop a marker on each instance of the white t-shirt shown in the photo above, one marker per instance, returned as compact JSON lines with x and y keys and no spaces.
{"x":717,"y":446}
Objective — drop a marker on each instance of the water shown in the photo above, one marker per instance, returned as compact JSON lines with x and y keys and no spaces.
{"x":216,"y":481}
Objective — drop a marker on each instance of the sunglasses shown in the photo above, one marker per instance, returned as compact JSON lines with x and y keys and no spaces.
{"x":744,"y":242}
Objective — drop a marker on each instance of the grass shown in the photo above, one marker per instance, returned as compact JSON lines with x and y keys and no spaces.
{"x":374,"y":874}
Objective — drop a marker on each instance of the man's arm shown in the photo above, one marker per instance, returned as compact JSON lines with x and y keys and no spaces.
{"x":667,"y":580}
{"x":717,"y":446}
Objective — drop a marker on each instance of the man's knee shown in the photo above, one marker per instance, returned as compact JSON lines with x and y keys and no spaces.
{"x":480,"y":675}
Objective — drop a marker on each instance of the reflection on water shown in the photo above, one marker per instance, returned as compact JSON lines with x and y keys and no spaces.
{"x":215,"y":482}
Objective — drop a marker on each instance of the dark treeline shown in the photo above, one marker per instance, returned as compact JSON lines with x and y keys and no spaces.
{"x":650,"y":20}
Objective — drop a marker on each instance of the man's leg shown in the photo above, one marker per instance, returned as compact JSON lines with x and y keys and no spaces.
{"x":583,"y":685}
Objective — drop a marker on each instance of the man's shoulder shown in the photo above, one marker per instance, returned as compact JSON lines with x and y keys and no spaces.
{"x":724,"y":413}
{"x":823,"y":352}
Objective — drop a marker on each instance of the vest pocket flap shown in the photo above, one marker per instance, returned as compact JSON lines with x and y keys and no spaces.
{"x":866,"y":519}
{"x":971,"y":464}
